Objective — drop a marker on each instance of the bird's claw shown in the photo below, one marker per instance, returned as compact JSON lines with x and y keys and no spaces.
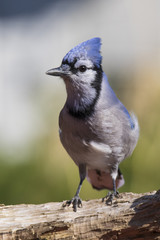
{"x":75,"y":201}
{"x":110,"y":196}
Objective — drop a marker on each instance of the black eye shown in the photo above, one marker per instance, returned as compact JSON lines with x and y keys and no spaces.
{"x":82,"y":68}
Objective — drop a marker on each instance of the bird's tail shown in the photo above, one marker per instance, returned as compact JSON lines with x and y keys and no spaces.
{"x":102,"y":180}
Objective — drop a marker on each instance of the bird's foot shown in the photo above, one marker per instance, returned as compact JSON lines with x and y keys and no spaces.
{"x":75,"y":201}
{"x":109,"y":198}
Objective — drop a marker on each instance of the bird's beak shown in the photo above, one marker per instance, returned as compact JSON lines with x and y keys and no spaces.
{"x":57,"y":72}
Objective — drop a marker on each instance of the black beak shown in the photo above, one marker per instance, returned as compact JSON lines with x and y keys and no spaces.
{"x":61,"y":71}
{"x":56,"y":72}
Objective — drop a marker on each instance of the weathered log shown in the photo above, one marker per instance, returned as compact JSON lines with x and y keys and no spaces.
{"x":131,"y":216}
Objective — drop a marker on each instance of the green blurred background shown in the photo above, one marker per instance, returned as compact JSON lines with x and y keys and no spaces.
{"x":34,"y":37}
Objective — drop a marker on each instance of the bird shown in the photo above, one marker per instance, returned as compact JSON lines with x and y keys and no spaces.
{"x":95,"y":128}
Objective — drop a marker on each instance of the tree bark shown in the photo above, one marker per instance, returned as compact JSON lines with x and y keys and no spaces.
{"x":131,"y":216}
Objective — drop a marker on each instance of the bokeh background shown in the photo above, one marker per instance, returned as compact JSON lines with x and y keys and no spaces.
{"x":34,"y":37}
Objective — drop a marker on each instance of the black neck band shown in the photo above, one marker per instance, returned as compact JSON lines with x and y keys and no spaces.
{"x":87,"y":110}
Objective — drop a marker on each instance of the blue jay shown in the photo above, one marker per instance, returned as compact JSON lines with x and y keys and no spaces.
{"x":95,"y":128}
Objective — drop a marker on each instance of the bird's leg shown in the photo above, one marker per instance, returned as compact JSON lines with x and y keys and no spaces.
{"x":76,"y":201}
{"x":111,"y":195}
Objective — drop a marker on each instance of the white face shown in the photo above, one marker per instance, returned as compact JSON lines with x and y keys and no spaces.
{"x":79,"y":82}
{"x":82,"y":62}
{"x":82,"y":73}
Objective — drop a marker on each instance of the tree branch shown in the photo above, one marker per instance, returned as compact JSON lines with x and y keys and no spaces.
{"x":131,"y":216}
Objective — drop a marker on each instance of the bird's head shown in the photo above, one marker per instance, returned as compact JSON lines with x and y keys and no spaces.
{"x":81,"y":64}
{"x":82,"y":73}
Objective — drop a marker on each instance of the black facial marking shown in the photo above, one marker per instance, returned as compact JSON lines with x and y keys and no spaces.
{"x":71,"y":65}
{"x":97,"y":82}
{"x":81,"y":68}
{"x":87,"y":110}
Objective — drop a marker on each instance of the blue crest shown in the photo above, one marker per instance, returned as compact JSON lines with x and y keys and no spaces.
{"x":86,"y":50}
